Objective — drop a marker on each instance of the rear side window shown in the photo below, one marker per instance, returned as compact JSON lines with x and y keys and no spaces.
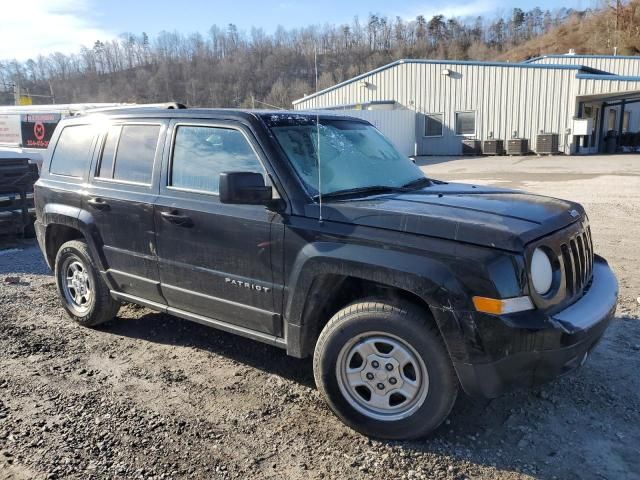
{"x":71,"y":155}
{"x":128,"y":153}
{"x":201,"y":154}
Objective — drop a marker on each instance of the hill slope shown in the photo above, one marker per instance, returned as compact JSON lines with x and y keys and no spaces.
{"x":587,"y":33}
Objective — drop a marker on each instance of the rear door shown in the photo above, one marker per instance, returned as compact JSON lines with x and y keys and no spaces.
{"x":216,"y":259}
{"x":123,"y":187}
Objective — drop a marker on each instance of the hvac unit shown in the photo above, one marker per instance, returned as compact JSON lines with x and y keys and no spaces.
{"x":517,"y":146}
{"x":547,"y":143}
{"x":471,"y":146}
{"x":493,"y":147}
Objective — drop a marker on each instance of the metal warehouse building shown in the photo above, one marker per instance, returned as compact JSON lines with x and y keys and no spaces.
{"x":455,"y":105}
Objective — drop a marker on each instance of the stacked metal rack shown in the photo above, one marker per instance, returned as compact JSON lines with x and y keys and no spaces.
{"x":17,"y":177}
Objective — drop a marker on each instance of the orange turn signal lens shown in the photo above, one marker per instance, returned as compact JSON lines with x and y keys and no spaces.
{"x":498,"y":306}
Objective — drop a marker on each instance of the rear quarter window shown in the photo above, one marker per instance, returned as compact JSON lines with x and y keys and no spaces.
{"x":72,"y":152}
{"x":129,"y":152}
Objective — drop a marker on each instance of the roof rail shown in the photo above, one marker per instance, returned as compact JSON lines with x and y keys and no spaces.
{"x":166,"y":105}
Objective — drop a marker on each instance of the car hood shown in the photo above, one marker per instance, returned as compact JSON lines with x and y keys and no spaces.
{"x":487,"y":216}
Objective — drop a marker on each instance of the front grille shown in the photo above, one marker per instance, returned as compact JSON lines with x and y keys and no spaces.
{"x":577,"y":257}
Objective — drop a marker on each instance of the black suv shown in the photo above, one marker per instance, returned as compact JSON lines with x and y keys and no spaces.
{"x":312,"y":233}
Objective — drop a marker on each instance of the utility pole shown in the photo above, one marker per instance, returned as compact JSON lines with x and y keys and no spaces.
{"x":16,"y":94}
{"x":315,"y":63}
{"x":53,"y":97}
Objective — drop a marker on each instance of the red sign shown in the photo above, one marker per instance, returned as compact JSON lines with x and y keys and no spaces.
{"x":37,"y":129}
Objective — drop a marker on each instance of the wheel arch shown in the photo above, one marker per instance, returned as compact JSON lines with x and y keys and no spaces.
{"x":63,"y":223}
{"x":328,"y":277}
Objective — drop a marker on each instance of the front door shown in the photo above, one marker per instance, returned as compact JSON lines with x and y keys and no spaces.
{"x":120,"y":198}
{"x":216,"y":259}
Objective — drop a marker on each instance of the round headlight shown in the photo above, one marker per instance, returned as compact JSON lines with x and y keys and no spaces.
{"x":541,"y":271}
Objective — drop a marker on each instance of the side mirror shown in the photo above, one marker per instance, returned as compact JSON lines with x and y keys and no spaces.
{"x":246,"y":188}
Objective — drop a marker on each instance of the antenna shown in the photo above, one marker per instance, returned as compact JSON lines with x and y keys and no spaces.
{"x":315,"y":61}
{"x":319,"y":167}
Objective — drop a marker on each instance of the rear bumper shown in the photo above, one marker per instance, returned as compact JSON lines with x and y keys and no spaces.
{"x":40,"y":235}
{"x":556,"y":345}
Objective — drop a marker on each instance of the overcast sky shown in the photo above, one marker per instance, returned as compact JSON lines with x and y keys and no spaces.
{"x":32,"y":27}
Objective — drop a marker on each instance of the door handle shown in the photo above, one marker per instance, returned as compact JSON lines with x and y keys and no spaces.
{"x":177,"y":219}
{"x":98,"y":203}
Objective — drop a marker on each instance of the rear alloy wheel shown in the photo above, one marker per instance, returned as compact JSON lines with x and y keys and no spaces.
{"x":77,"y":287}
{"x":384,"y":370}
{"x":84,"y":294}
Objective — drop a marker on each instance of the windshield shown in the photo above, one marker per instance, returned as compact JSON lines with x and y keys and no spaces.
{"x":353,"y":155}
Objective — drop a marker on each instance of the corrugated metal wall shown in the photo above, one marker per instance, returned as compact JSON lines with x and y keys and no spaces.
{"x":505,"y":98}
{"x":608,"y":84}
{"x":629,"y":66}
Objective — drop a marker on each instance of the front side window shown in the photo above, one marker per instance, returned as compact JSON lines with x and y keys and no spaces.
{"x":201,"y":154}
{"x":71,"y":155}
{"x":433,"y":125}
{"x":352,"y":154}
{"x":465,"y":123}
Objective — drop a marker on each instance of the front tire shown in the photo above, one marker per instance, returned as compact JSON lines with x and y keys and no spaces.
{"x":84,"y":294}
{"x":384,"y":370}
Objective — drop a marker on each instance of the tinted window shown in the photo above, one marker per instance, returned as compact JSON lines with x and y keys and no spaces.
{"x":71,"y":155}
{"x":625,"y":121}
{"x":109,"y":152}
{"x":611,"y":120}
{"x":465,"y":123}
{"x":433,"y":125}
{"x":136,"y":151}
{"x":201,"y":154}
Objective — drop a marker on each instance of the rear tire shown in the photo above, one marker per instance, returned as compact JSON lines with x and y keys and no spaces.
{"x":84,"y":294}
{"x":384,"y":370}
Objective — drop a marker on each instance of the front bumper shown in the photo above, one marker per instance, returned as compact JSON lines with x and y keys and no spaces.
{"x":533,"y":350}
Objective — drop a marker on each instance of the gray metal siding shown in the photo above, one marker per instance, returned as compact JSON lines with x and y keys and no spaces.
{"x":628,"y":66}
{"x":505,"y":99}
{"x":608,"y":84}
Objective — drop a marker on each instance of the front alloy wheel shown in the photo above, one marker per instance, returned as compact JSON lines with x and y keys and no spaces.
{"x":382,"y":376}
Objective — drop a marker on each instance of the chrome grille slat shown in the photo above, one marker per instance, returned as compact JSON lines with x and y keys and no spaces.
{"x":577,"y":258}
{"x":582,"y":259}
{"x":569,"y":269}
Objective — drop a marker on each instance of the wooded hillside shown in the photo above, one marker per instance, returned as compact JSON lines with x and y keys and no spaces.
{"x":595,"y":33}
{"x":229,"y":68}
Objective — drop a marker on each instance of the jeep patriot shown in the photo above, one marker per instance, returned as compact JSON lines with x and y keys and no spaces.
{"x":310,"y":232}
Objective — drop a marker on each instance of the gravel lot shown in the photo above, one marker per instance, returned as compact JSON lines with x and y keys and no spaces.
{"x":150,"y":396}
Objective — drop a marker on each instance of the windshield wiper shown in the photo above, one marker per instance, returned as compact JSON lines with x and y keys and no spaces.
{"x":368,"y":190}
{"x":418,"y":182}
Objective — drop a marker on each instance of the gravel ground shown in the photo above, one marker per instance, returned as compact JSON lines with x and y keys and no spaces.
{"x":151,"y":396}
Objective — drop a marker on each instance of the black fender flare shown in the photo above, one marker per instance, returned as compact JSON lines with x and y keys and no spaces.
{"x":78,"y":219}
{"x":427,"y":278}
